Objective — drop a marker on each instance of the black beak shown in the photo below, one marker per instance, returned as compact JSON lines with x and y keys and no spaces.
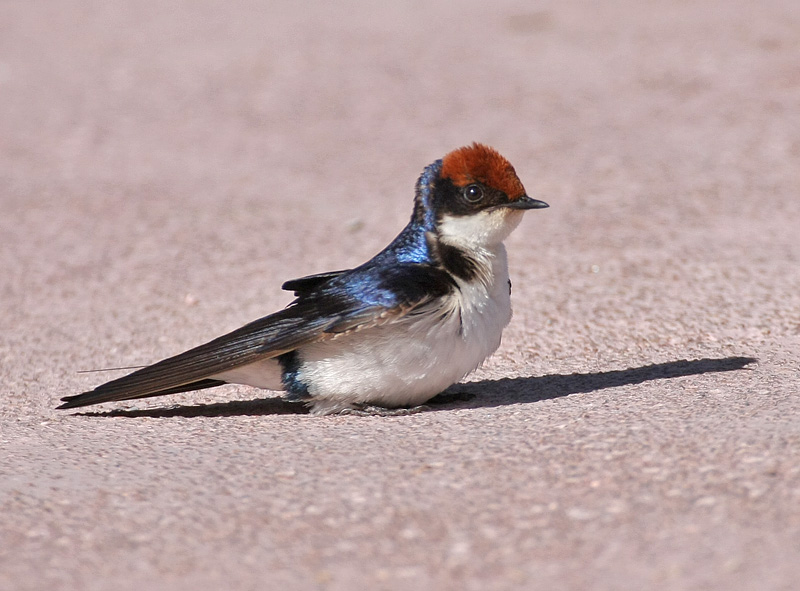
{"x":526,"y":202}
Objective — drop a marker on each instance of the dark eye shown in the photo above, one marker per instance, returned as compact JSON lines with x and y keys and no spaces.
{"x":473,"y":193}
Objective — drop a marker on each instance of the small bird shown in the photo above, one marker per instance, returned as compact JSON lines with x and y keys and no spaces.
{"x":391,"y":334}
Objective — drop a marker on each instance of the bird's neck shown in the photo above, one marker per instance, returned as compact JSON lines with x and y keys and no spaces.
{"x":462,"y":259}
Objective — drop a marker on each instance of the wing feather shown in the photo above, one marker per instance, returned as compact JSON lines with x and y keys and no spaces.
{"x":336,"y":304}
{"x":310,"y":282}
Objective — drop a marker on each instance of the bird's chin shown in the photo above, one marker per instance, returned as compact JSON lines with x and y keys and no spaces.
{"x":511,"y":219}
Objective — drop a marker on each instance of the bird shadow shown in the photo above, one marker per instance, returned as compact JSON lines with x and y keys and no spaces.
{"x":481,"y":394}
{"x":492,"y":393}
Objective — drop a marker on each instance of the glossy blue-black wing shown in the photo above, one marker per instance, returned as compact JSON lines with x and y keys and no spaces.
{"x":337,"y":306}
{"x":310,"y":282}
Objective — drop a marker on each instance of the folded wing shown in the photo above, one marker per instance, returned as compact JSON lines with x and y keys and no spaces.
{"x":328,"y":304}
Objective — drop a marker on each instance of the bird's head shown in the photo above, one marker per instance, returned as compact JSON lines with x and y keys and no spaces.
{"x":472,"y":197}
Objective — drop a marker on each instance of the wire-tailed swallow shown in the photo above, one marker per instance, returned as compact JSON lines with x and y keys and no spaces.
{"x":419,"y":316}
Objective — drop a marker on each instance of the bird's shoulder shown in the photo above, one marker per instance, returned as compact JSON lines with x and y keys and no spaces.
{"x":374,"y":284}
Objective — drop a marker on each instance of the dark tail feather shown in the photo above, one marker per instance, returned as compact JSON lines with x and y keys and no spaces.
{"x":100,"y":394}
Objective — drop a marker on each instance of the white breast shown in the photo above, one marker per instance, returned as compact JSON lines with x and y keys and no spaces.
{"x":412,"y":360}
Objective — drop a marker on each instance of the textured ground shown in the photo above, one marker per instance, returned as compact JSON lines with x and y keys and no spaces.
{"x":165,"y":166}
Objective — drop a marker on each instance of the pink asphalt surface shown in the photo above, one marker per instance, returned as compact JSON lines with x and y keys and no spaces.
{"x":165,"y":166}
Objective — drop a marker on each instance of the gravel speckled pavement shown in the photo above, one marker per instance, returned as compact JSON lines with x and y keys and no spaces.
{"x":165,"y":166}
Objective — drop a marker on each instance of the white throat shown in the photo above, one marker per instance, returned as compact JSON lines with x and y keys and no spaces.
{"x":480,"y":231}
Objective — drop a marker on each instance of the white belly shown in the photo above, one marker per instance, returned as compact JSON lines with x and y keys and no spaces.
{"x":409,"y":362}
